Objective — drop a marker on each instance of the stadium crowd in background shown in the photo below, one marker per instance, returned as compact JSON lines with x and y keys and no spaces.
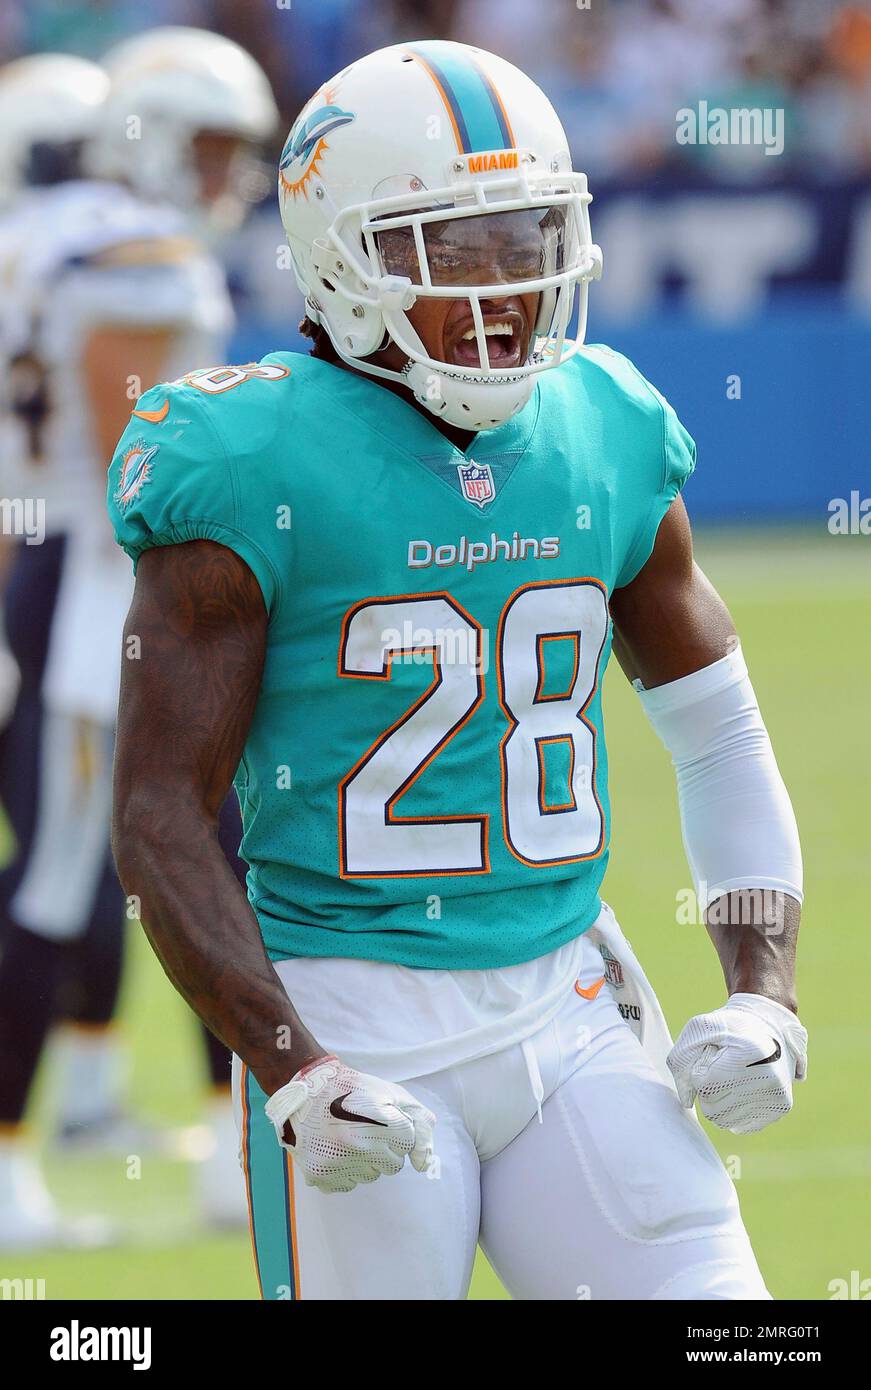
{"x":617,"y":70}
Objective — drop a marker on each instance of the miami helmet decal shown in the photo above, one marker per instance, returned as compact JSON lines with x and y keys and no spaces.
{"x":308,"y":141}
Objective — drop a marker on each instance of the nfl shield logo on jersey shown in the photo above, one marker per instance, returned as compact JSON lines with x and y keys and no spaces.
{"x":476,"y":482}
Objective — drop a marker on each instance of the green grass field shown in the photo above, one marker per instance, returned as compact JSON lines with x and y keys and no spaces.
{"x":802,"y":604}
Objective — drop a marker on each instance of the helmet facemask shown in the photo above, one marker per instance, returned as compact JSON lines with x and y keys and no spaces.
{"x":480,"y":241}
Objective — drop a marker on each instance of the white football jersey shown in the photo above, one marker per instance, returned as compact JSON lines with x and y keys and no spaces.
{"x":78,"y":256}
{"x":14,"y":226}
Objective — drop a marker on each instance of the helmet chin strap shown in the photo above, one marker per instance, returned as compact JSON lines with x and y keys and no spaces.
{"x":468,"y":405}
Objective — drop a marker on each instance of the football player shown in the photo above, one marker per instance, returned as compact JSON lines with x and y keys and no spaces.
{"x":110,"y":289}
{"x":367,"y":590}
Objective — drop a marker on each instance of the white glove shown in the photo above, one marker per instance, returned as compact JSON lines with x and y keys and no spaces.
{"x":741,"y":1061}
{"x":348,"y":1127}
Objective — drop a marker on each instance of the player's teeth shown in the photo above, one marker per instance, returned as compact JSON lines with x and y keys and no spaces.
{"x":490,"y":331}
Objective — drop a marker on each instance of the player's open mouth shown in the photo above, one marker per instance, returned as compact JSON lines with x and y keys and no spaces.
{"x":506,"y":332}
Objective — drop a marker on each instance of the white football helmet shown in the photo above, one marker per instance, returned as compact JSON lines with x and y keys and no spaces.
{"x":167,"y":86}
{"x":383,"y":181}
{"x":50,"y":99}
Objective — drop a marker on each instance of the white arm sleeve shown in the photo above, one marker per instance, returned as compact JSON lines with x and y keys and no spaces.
{"x":738,"y":825}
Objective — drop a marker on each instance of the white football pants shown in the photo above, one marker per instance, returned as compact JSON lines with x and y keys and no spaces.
{"x":567,"y":1156}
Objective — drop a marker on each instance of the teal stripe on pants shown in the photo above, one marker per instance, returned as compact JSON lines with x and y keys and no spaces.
{"x":266,"y":1165}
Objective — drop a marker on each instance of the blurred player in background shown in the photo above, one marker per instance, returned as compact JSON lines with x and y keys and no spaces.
{"x":49,"y":108}
{"x":114,"y":286}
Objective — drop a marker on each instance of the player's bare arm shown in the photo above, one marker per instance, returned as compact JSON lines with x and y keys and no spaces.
{"x":670,"y":620}
{"x":186,"y":705}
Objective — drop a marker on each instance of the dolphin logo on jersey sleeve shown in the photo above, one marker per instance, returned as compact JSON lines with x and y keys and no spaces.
{"x":136,"y":469}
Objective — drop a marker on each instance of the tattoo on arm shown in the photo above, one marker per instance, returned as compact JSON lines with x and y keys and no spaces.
{"x":194,"y":649}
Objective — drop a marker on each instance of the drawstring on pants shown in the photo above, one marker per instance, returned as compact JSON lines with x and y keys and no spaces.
{"x":535,"y":1081}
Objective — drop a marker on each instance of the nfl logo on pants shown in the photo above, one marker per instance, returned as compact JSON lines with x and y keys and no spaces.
{"x":476,"y":482}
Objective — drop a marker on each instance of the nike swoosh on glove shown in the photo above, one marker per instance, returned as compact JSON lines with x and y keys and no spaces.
{"x":740,"y":1061}
{"x":349,"y":1128}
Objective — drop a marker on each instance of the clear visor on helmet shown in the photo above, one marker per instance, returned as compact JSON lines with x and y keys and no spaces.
{"x":484,"y":249}
{"x":520,"y":233}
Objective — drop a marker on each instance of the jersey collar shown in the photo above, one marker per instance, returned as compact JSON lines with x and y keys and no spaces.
{"x":407,"y":429}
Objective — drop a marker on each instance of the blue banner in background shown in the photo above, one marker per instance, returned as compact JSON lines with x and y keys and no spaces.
{"x":795,"y":432}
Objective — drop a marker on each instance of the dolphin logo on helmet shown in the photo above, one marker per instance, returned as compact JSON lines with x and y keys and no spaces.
{"x":306,"y":143}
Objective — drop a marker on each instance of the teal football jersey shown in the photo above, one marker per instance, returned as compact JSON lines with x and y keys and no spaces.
{"x":425,"y":780}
